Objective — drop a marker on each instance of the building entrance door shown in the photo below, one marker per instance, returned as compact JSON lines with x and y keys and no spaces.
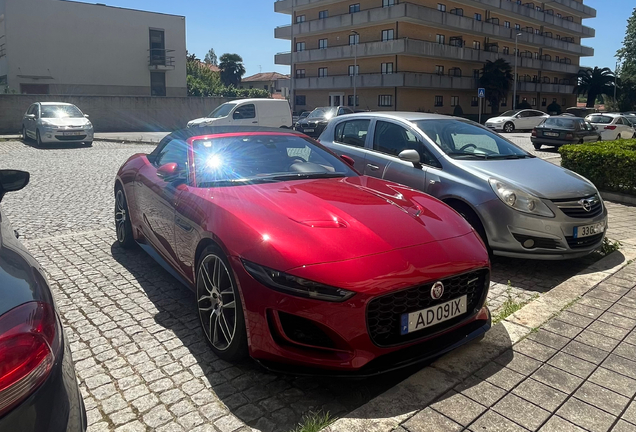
{"x":336,"y":99}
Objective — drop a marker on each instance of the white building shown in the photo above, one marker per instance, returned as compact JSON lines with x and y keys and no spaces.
{"x":65,"y":47}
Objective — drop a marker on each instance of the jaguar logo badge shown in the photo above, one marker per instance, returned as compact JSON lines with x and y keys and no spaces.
{"x":437,"y":291}
{"x":587,"y":204}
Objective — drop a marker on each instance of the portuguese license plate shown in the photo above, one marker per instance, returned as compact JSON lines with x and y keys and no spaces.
{"x":71,"y":133}
{"x":308,"y":130}
{"x":552,"y":134}
{"x":420,"y":320}
{"x":588,"y":230}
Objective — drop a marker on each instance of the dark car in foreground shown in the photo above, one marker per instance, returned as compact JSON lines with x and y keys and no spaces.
{"x":38,"y":388}
{"x":297,"y":259}
{"x":317,"y":120}
{"x":561,"y":130}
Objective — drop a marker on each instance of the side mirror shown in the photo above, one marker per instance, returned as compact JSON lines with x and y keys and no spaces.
{"x":237,"y":116}
{"x":86,"y":115}
{"x":169,"y":172}
{"x":410,"y":156}
{"x":348,"y":159}
{"x":30,"y":116}
{"x":12,"y":180}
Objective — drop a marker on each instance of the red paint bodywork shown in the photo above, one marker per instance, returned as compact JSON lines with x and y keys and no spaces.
{"x":358,"y":233}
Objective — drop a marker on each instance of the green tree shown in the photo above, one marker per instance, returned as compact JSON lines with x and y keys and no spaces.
{"x":554,"y":108}
{"x":627,"y":53}
{"x":627,"y":74}
{"x":524,"y":104}
{"x":496,"y":78}
{"x":595,"y":82}
{"x":232,"y":69}
{"x":211,"y":58}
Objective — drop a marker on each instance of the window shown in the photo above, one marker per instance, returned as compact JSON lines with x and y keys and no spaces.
{"x":41,"y":88}
{"x":266,"y":87}
{"x":301,"y":100}
{"x":175,"y":151}
{"x":354,"y":39}
{"x":537,"y":31}
{"x":507,"y":24}
{"x":387,"y":3}
{"x":322,"y":44}
{"x":245,"y":112}
{"x":300,"y":18}
{"x":350,"y":100}
{"x":392,"y":139}
{"x":385,"y":100}
{"x":322,"y":72}
{"x":440,"y":39}
{"x":352,"y":132}
{"x":439,"y":101}
{"x":556,"y":80}
{"x":476,"y":45}
{"x":553,"y":100}
{"x":536,"y":55}
{"x":564,"y":101}
{"x":441,"y":7}
{"x":387,"y":68}
{"x":534,"y":79}
{"x":300,"y":46}
{"x":439,"y":70}
{"x":504,"y":101}
{"x":353,"y":69}
{"x":300,"y":73}
{"x":556,"y":58}
{"x":157,"y":83}
{"x":559,"y":15}
{"x":506,"y":50}
{"x":456,"y":72}
{"x":477,"y":17}
{"x":534,"y":101}
{"x":454,"y":101}
{"x":354,"y":8}
{"x":457,"y":11}
{"x":3,"y":80}
{"x":544,"y":102}
{"x":517,"y":27}
{"x":558,"y":37}
{"x":157,"y":47}
{"x":387,"y":35}
{"x":474,"y":101}
{"x":323,"y":14}
{"x":476,"y":73}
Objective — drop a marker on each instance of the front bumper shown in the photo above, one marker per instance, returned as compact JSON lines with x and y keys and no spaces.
{"x":59,"y":136}
{"x":335,"y":338}
{"x":309,"y":130}
{"x":553,"y":141}
{"x":495,"y":126}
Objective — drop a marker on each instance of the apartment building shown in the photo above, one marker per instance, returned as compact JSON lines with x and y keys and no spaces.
{"x":71,"y":48}
{"x":426,"y":55}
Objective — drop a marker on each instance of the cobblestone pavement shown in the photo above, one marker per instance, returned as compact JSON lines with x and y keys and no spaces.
{"x":139,"y":353}
{"x":577,"y":373}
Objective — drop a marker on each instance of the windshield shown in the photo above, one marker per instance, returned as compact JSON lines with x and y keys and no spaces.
{"x":222,"y":110}
{"x":325,"y":112}
{"x":460,"y":139}
{"x":61,"y":111}
{"x":235,"y":160}
{"x":599,"y":119}
{"x":560,"y":123}
{"x":509,"y":113}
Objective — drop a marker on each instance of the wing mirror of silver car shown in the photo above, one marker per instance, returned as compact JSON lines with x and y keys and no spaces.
{"x":31,"y":116}
{"x":410,"y":155}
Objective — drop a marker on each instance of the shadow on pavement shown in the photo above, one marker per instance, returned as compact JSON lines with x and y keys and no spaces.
{"x":263,"y":400}
{"x":54,"y":146}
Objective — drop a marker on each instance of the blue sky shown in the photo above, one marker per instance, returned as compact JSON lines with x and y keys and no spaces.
{"x":246,"y":27}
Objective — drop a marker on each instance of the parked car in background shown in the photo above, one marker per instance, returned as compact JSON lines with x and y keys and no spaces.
{"x":561,"y":130}
{"x":315,"y":122}
{"x":56,"y":122}
{"x":521,"y":206}
{"x":38,"y":388}
{"x":284,"y":241}
{"x":248,"y":112}
{"x":512,"y":120}
{"x":580,"y":111}
{"x":302,"y":115}
{"x":612,"y":126}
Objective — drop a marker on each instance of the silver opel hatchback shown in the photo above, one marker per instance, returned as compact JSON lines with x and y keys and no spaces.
{"x":521,"y":206}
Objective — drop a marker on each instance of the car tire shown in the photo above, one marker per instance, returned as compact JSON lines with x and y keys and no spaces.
{"x":599,"y":139}
{"x":618,"y":136}
{"x":25,"y":137}
{"x":88,"y":143}
{"x":471,"y":217}
{"x":219,"y":306}
{"x":38,"y":138}
{"x":123,"y":225}
{"x":537,"y":146}
{"x":509,"y":127}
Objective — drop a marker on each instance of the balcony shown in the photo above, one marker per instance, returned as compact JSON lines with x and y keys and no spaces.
{"x":420,"y":48}
{"x":574,"y":7}
{"x":532,"y":87}
{"x":433,"y":17}
{"x":285,"y":6}
{"x":161,"y":60}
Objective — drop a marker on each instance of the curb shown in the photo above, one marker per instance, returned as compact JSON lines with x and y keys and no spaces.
{"x":425,"y":386}
{"x":120,"y":141}
{"x":619,"y":198}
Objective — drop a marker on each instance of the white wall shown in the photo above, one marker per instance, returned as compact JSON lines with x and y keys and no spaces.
{"x":89,"y":48}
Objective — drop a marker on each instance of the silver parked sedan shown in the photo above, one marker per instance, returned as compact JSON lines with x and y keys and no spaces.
{"x":521,"y":205}
{"x":56,"y":122}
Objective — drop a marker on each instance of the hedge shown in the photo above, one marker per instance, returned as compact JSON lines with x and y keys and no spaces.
{"x":610,"y":165}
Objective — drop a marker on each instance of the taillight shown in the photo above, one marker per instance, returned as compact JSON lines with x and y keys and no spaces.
{"x":534,"y":132}
{"x":29,"y":341}
{"x":610,"y":127}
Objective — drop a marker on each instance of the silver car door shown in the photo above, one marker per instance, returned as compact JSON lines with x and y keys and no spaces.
{"x":350,"y":139}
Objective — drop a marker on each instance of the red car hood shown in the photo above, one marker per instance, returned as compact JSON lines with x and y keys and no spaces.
{"x":291,"y":224}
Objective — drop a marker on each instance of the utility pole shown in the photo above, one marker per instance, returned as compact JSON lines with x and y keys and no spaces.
{"x":292,"y":73}
{"x":514,"y":90}
{"x":356,"y":35}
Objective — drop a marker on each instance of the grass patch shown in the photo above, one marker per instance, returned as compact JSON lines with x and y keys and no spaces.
{"x":609,"y":246}
{"x":510,"y":306}
{"x":314,"y":422}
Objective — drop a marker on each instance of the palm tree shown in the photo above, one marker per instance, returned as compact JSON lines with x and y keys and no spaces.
{"x":595,"y":82}
{"x":232,"y":69}
{"x":496,"y":78}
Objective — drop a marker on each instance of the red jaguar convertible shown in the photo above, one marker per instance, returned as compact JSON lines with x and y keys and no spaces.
{"x":298,"y":260}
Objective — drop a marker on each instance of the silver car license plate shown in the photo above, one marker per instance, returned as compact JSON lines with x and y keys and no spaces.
{"x":414,"y":321}
{"x":71,"y":133}
{"x":308,"y":130}
{"x":588,"y":230}
{"x":552,"y":134}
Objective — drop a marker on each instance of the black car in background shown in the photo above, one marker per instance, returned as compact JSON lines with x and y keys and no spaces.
{"x":317,"y":120}
{"x":564,"y":129}
{"x":38,"y":388}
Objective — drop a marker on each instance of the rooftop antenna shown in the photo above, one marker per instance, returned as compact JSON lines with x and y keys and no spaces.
{"x":260,"y":68}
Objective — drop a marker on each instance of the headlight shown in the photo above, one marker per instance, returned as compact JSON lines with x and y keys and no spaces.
{"x":519,"y":200}
{"x":288,"y":284}
{"x":48,"y":125}
{"x":88,"y":126}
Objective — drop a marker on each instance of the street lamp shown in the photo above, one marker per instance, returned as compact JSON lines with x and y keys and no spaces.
{"x":514,"y":90}
{"x":615,"y":75}
{"x":355,"y":67}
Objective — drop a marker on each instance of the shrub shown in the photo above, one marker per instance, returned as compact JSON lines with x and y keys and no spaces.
{"x":524,"y":105}
{"x":611,"y":166}
{"x":554,"y":108}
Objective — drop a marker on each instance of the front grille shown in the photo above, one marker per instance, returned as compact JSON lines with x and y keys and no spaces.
{"x":384,"y":313}
{"x":584,"y":242}
{"x":70,"y":138}
{"x":574,"y":209}
{"x":539,"y":242}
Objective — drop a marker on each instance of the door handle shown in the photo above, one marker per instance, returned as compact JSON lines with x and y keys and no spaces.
{"x":373,"y":167}
{"x":254,"y":122}
{"x":432,"y":182}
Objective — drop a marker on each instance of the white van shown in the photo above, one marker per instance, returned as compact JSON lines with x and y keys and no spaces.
{"x":248,"y":112}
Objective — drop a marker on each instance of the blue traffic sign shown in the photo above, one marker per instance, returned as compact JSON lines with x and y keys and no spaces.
{"x":481,"y":92}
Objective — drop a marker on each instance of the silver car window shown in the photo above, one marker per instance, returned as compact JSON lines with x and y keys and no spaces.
{"x":352,"y":132}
